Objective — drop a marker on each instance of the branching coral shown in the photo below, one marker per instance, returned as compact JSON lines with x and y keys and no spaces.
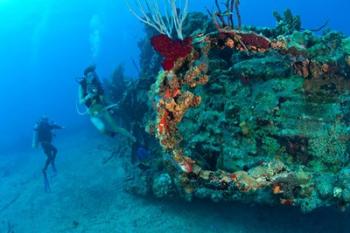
{"x":164,"y":16}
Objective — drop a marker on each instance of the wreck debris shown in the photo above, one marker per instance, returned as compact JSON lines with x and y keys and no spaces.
{"x":174,"y":103}
{"x":260,"y":129}
{"x":225,"y":18}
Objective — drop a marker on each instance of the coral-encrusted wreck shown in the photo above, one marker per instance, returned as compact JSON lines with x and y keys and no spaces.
{"x":268,"y":125}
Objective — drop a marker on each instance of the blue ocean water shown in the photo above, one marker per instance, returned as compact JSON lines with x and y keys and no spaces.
{"x":46,"y":44}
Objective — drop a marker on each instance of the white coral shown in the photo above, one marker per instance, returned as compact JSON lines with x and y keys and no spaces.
{"x":162,"y":15}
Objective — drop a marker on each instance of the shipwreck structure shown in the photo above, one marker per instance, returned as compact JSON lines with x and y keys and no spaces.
{"x":262,"y":118}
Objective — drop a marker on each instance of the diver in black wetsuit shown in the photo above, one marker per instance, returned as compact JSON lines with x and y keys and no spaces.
{"x":227,"y":50}
{"x":43,"y":135}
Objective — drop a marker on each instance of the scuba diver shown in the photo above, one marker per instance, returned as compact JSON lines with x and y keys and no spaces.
{"x":91,"y":94}
{"x":227,"y":50}
{"x":43,"y":135}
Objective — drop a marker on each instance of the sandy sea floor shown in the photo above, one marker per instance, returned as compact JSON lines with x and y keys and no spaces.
{"x":87,"y":196}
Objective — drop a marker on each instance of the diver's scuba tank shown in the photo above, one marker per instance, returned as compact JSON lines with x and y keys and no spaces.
{"x":35,"y":139}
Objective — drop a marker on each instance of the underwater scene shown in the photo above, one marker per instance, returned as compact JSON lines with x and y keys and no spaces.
{"x":174,"y":116}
